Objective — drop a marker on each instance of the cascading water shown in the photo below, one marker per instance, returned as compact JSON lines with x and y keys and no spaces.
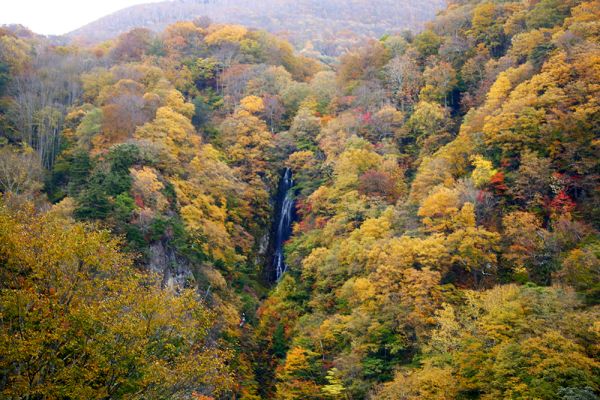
{"x":283,"y":223}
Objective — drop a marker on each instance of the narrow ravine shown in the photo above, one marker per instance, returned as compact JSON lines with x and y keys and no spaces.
{"x":284,"y":217}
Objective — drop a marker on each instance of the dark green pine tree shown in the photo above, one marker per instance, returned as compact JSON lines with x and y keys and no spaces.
{"x":93,"y":202}
{"x":79,"y":172}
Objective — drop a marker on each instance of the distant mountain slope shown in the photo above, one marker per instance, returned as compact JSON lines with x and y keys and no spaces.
{"x":317,"y":21}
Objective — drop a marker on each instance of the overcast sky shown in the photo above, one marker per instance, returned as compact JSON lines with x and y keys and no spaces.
{"x":55,"y":17}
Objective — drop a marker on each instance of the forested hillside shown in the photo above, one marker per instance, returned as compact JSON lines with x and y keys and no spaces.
{"x":445,"y":189}
{"x":326,"y":27}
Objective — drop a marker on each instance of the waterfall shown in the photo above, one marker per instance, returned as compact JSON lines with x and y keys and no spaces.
{"x":283,"y":222}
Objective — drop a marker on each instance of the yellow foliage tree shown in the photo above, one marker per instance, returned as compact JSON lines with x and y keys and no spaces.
{"x":78,"y":318}
{"x":438,"y":208}
{"x":226,"y":34}
{"x":252,"y":104}
{"x":484,"y":171}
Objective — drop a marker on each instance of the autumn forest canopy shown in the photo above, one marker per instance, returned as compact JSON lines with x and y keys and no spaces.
{"x":444,"y":211}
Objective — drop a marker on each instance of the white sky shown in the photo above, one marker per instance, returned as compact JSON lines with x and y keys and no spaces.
{"x":55,"y":17}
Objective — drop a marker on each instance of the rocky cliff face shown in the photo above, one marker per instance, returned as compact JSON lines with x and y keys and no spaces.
{"x":163,"y":260}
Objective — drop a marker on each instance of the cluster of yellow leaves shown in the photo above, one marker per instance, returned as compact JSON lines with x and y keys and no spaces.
{"x":14,"y":52}
{"x":497,"y":325}
{"x":432,"y":383}
{"x":248,"y":139}
{"x":226,"y":34}
{"x":532,"y":109}
{"x":148,"y":187}
{"x":252,"y":104}
{"x":172,"y":131}
{"x":438,"y":209}
{"x":295,"y":376}
{"x":484,"y":171}
{"x":204,"y":210}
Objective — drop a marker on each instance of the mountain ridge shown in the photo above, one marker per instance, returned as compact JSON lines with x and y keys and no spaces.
{"x":302,"y":21}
